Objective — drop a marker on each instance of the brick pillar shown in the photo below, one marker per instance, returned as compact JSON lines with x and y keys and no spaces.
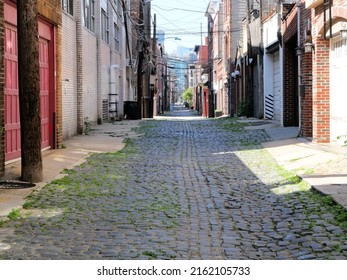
{"x":2,"y":93}
{"x":306,"y":96}
{"x":321,"y":92}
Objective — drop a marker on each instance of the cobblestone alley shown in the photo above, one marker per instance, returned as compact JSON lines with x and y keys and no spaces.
{"x":196,"y":189}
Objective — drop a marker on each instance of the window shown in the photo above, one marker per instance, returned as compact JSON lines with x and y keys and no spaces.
{"x":116,"y":37}
{"x":118,"y":7}
{"x":104,"y":27}
{"x":67,"y":6}
{"x":89,"y":14}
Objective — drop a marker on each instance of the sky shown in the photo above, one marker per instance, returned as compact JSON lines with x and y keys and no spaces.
{"x":182,"y":19}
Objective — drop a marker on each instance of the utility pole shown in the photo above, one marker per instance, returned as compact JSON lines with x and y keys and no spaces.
{"x":154,"y":110}
{"x":29,"y":90}
{"x":146,"y":97}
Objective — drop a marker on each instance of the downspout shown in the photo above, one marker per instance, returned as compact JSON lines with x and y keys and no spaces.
{"x":79,"y":65}
{"x":113,"y":94}
{"x":298,"y":7}
{"x":98,"y":65}
{"x":98,"y":83}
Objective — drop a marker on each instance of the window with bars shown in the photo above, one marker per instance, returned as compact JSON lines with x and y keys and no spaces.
{"x":67,"y":6}
{"x":89,"y":14}
{"x":104,"y":27}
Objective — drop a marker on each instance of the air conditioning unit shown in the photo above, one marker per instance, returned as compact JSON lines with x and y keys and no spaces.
{"x":130,"y":62}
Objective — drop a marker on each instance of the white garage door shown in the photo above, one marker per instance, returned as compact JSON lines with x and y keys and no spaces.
{"x":338,"y":89}
{"x":277,"y":87}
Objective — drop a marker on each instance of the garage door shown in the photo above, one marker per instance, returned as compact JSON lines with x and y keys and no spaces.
{"x":12,"y":118}
{"x":277,"y":87}
{"x":338,"y":93}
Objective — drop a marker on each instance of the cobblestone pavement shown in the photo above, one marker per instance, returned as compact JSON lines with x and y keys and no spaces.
{"x":201,"y":189}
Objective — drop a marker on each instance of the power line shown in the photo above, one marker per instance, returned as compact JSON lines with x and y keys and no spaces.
{"x":179,"y":9}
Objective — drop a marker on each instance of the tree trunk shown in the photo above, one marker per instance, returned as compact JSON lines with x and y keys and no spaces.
{"x":29,"y":90}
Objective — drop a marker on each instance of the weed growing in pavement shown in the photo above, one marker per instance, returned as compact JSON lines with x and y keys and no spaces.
{"x":14,"y":214}
{"x":340,"y":213}
{"x":27,"y":205}
{"x":144,"y":126}
{"x":292,"y":187}
{"x":231,"y":124}
{"x":150,"y":254}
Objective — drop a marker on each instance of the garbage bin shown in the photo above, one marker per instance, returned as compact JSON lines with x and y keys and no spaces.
{"x":132,"y":110}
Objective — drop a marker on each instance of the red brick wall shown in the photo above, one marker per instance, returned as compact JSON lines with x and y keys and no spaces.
{"x":51,"y":10}
{"x":2,"y":93}
{"x":321,"y":72}
{"x":306,"y":96}
{"x":321,"y":91}
{"x":306,"y":73}
{"x":290,"y":97}
{"x":290,"y":77}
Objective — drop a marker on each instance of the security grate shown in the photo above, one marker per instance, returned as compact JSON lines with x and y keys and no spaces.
{"x":104,"y":109}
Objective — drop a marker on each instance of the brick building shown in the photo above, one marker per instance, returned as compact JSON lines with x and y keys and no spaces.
{"x":50,"y":75}
{"x":313,"y":81}
{"x":85,"y":69}
{"x":95,"y":86}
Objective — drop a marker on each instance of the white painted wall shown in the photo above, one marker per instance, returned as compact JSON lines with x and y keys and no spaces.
{"x":69,"y":76}
{"x":89,"y":75}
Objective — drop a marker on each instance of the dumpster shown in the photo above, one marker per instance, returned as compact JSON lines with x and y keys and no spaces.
{"x":132,"y":110}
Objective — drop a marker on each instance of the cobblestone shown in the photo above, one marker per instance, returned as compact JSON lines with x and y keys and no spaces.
{"x":183,"y":190}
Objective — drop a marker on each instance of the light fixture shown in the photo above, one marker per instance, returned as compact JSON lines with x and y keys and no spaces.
{"x":343,"y":31}
{"x":309,"y":47}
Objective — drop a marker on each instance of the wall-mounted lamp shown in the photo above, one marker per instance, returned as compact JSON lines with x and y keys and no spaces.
{"x":309,"y":47}
{"x":343,"y":31}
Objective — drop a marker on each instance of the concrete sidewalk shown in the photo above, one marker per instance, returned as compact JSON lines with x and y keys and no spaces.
{"x":103,"y":138}
{"x":323,"y":166}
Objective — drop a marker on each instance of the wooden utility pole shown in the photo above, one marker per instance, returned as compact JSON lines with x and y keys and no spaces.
{"x":29,"y":90}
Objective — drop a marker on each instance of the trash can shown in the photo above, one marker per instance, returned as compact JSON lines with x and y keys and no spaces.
{"x":131,"y":110}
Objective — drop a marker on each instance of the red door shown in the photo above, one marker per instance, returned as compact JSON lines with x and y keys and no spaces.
{"x":12,"y":120}
{"x":44,"y":91}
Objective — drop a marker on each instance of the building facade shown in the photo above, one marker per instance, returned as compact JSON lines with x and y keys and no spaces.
{"x":87,"y":68}
{"x":50,"y":55}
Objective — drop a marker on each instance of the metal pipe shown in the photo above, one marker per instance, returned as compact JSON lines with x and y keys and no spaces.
{"x":298,"y":7}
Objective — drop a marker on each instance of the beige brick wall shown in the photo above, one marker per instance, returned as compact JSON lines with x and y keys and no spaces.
{"x":69,"y":77}
{"x":89,"y":75}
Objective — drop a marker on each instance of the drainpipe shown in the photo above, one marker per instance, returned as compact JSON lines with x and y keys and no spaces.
{"x":298,"y":7}
{"x":113,"y":94}
{"x":79,"y":65}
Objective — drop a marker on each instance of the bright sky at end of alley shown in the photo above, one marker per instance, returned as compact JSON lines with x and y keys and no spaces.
{"x":182,"y":22}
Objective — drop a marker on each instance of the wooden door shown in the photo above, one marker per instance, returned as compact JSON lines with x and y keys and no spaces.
{"x":44,"y":92}
{"x":12,"y":118}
